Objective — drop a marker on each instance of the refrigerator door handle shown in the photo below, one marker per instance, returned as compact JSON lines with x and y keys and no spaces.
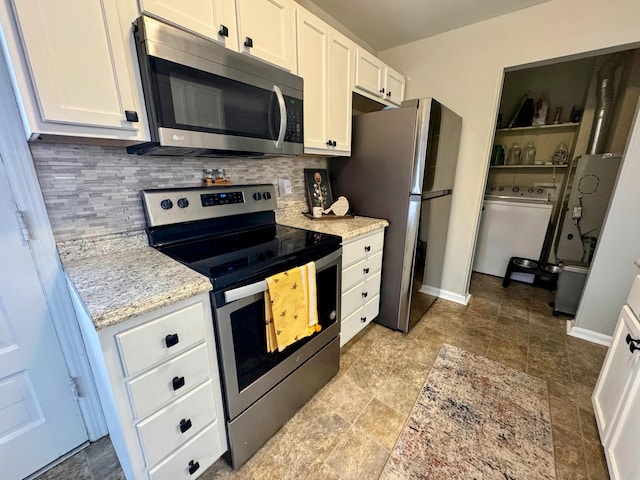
{"x":431,"y":195}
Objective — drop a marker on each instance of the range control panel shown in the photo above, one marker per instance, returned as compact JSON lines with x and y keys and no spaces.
{"x":178,"y":205}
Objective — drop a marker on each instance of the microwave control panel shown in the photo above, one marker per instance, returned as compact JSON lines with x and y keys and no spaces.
{"x":294,"y":120}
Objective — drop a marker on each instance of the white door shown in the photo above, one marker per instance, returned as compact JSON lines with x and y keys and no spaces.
{"x":339,"y":89}
{"x":312,"y":66}
{"x":39,"y":417}
{"x":270,"y":26}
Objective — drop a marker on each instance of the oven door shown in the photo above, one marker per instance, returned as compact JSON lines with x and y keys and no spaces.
{"x":248,"y":370}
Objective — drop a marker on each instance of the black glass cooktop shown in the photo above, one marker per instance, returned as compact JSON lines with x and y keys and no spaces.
{"x":242,"y":258}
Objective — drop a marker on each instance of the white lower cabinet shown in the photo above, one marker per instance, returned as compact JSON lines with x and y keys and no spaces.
{"x":165,"y":418}
{"x":617,"y":396}
{"x":361,"y":271}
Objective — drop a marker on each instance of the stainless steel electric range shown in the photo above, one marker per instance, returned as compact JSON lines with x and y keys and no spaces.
{"x":229,"y":234}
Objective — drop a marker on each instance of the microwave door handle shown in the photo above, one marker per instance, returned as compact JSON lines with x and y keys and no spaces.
{"x":283,"y":116}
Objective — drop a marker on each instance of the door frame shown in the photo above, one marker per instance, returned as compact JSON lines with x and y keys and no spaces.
{"x":28,"y":197}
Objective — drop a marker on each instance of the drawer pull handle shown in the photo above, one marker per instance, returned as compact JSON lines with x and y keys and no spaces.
{"x":364,"y":294}
{"x":367,"y":248}
{"x":185,"y":425}
{"x":193,"y":466}
{"x":363,"y":319}
{"x":365,"y":270}
{"x":178,"y":382}
{"x":171,"y":339}
{"x":633,"y":347}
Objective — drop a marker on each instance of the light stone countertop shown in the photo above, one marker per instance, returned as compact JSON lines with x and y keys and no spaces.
{"x":118,"y":277}
{"x":347,"y":228}
{"x":119,"y":285}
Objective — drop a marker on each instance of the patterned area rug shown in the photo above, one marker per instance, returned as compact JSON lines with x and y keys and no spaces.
{"x":475,"y":419}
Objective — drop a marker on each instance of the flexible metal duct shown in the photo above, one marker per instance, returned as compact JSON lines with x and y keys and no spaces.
{"x":604,"y":105}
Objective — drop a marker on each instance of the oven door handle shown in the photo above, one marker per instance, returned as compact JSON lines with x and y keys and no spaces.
{"x":245,"y":291}
{"x":283,"y":116}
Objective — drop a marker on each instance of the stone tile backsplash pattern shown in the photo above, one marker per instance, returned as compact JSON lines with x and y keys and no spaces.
{"x":95,"y":190}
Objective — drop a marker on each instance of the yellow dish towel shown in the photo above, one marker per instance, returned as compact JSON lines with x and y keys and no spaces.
{"x":291,"y":306}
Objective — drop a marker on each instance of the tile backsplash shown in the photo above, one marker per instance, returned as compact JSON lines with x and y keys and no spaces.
{"x":94,"y":190}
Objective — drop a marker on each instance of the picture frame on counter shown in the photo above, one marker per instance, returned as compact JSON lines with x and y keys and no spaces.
{"x":318,"y":188}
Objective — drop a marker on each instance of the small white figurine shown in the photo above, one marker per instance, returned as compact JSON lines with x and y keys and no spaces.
{"x":340,"y":207}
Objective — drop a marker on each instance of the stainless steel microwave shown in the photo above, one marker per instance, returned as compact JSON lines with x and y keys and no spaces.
{"x":203,"y":99}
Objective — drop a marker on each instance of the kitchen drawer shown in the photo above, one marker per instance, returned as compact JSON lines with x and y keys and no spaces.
{"x":356,"y":250}
{"x":360,"y":294}
{"x":155,"y":388}
{"x":634,"y":296}
{"x":359,"y":319}
{"x":154,"y":341}
{"x":161,"y":433}
{"x":198,"y":454}
{"x":361,"y":271}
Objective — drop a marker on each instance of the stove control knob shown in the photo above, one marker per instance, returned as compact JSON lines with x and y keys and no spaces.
{"x":500,"y":189}
{"x":166,"y":204}
{"x":515,"y":189}
{"x":530,"y":190}
{"x":257,"y":196}
{"x":539,"y":191}
{"x":183,"y":202}
{"x":266,"y":195}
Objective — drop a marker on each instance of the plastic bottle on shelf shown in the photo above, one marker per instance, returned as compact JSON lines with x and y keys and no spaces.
{"x":528,"y":156}
{"x":513,"y":155}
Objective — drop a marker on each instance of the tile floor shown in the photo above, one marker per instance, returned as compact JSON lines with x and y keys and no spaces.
{"x":348,"y":429}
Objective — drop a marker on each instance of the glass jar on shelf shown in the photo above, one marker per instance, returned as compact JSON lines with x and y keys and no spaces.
{"x":528,"y":156}
{"x":513,"y":155}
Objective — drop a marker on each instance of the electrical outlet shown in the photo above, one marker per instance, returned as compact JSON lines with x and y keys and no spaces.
{"x":577,"y":213}
{"x":284,"y":186}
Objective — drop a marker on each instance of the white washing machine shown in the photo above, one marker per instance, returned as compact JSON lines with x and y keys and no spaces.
{"x":514,"y":224}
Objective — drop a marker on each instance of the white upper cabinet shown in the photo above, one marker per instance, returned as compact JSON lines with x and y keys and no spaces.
{"x":376,"y":80}
{"x":369,"y":76}
{"x":266,"y":31}
{"x":394,"y":86}
{"x":325,"y":62}
{"x":313,"y":53}
{"x":215,"y":19}
{"x":339,"y":81}
{"x":75,"y":67}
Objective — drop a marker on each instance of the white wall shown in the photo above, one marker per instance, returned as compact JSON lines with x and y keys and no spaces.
{"x":464,"y":68}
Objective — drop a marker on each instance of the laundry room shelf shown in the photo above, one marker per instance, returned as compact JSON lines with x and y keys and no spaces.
{"x":527,"y":166}
{"x":568,"y":125}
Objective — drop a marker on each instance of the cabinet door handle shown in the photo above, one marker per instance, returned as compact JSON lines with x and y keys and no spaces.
{"x":171,"y":340}
{"x":224,"y":31}
{"x":364,"y":294}
{"x":389,"y":94}
{"x":630,"y":339}
{"x":248,"y":42}
{"x":193,"y":466}
{"x":334,"y":143}
{"x":178,"y":382}
{"x":131,"y":116}
{"x":363,"y":319}
{"x":382,"y":90}
{"x":633,"y":347}
{"x":367,"y":248}
{"x":365,"y":270}
{"x":329,"y":143}
{"x":185,"y":425}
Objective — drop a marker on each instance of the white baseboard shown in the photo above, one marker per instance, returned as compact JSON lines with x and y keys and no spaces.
{"x":446,"y":295}
{"x":588,"y":335}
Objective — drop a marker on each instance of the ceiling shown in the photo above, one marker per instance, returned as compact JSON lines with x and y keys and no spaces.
{"x":385,"y":24}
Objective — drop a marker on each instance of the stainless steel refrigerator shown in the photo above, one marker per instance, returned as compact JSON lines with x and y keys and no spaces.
{"x":402,"y":169}
{"x":585,"y":199}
